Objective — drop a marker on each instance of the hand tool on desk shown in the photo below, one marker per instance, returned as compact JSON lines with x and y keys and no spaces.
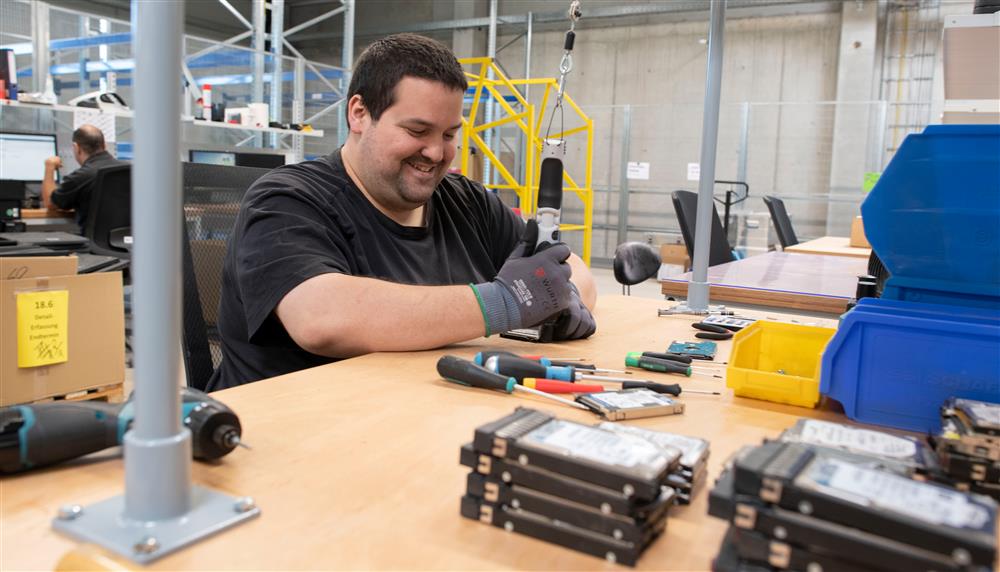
{"x":481,"y":358}
{"x":33,"y":436}
{"x":464,"y":372}
{"x":711,"y":331}
{"x":680,"y":358}
{"x":668,"y":388}
{"x":636,"y":359}
{"x":556,"y":386}
{"x":521,"y":368}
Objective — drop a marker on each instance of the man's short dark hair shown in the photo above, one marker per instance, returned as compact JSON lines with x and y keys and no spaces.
{"x":387,"y":61}
{"x":89,"y":138}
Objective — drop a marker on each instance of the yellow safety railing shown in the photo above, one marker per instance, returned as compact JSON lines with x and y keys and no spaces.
{"x":530,"y":125}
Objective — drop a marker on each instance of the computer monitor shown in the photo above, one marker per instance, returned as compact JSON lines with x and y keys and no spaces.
{"x":23,"y":155}
{"x":224,"y":158}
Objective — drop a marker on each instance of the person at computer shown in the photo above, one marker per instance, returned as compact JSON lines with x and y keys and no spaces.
{"x":76,"y":189}
{"x":375,"y":247}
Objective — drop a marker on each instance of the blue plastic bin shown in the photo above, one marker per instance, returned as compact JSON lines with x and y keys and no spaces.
{"x":934,"y":217}
{"x":894,"y":363}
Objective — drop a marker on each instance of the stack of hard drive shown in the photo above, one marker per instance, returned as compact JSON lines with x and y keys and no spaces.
{"x":801,"y":506}
{"x":598,"y":491}
{"x":969,"y":445}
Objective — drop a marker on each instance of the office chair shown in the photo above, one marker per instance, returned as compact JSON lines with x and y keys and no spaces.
{"x":686,"y":207}
{"x":782,"y":224}
{"x":634,"y":262}
{"x":109,"y":222}
{"x":212,"y":196}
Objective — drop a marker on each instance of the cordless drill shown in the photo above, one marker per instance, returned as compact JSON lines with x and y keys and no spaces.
{"x":33,"y":436}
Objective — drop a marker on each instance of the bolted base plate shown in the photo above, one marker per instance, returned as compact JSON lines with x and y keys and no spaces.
{"x":104,"y":524}
{"x":683,"y":308}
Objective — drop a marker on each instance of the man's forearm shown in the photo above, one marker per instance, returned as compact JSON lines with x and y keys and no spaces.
{"x":584,"y":281}
{"x":362,"y":315}
{"x":48,"y":186}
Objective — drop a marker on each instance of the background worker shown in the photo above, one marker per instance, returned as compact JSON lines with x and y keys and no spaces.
{"x":374,"y":248}
{"x":77,"y":187}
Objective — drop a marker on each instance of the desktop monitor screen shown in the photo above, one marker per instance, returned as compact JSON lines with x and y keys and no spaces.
{"x":23,"y":155}
{"x":260,"y":160}
{"x":224,"y":158}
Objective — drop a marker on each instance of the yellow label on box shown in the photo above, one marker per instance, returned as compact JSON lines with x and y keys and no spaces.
{"x":42,"y":328}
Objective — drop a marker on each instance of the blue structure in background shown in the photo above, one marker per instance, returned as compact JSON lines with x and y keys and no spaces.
{"x":933,"y":218}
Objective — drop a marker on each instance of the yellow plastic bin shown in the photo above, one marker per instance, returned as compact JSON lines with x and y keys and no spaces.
{"x":778,"y":362}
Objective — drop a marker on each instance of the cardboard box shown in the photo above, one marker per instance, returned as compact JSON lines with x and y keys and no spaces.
{"x":972,"y":60}
{"x":675,"y":254}
{"x":95,"y":329}
{"x":858,"y":239}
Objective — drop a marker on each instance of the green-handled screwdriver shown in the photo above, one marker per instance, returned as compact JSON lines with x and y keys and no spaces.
{"x":636,"y":359}
{"x":668,"y":388}
{"x":465,"y":372}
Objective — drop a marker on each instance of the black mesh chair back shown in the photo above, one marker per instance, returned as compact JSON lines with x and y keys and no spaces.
{"x":782,"y":224}
{"x":686,"y":207}
{"x":212,"y":196}
{"x":109,"y":222}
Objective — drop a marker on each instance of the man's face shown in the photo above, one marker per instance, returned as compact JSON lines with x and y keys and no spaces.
{"x":405,"y":154}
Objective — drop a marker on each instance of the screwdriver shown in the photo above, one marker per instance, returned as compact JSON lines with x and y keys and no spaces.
{"x":465,"y":372}
{"x":556,"y":386}
{"x":681,"y":358}
{"x":668,"y":388}
{"x":521,"y":368}
{"x":481,"y":358}
{"x":636,"y":359}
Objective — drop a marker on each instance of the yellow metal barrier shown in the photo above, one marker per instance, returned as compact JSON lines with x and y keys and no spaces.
{"x":530,"y":125}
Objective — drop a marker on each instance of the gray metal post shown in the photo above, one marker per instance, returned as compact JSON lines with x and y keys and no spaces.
{"x":527,"y":54}
{"x":741,"y":163}
{"x":41,"y":56}
{"x":698,"y":286}
{"x":259,"y":39}
{"x":623,"y":197}
{"x":277,"y":28}
{"x":299,"y":107}
{"x":491,"y":52}
{"x":347,"y":62}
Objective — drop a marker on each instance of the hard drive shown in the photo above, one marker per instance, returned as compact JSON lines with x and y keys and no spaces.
{"x":754,"y":547}
{"x":603,"y":499}
{"x":831,"y":486}
{"x":819,"y":536}
{"x":694,"y":451}
{"x":980,"y":416}
{"x":533,"y":438}
{"x":968,"y":468}
{"x":523,"y":522}
{"x":912,"y":455}
{"x":631,"y":404}
{"x":641,"y":532}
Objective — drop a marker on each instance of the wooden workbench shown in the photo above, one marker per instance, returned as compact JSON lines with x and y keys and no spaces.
{"x":830,"y":246}
{"x":355,"y":465}
{"x":781,"y":280}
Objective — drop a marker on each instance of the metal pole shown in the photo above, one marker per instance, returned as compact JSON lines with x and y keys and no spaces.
{"x":527,"y":54}
{"x":314,"y":21}
{"x":741,"y":162}
{"x":299,"y":107}
{"x":158,"y":448}
{"x":698,"y":286}
{"x":491,"y":52}
{"x":40,"y":53}
{"x":623,"y":197}
{"x":277,"y":27}
{"x":347,"y":61}
{"x":259,"y":39}
{"x":236,"y":14}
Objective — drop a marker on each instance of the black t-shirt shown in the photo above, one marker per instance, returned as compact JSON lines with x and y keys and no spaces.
{"x":77,"y":187}
{"x":307,"y":219}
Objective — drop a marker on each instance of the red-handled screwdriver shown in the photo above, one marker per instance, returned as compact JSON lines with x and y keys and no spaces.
{"x":556,"y":386}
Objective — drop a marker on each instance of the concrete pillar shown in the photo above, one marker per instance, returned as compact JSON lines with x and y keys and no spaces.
{"x":854,"y":128}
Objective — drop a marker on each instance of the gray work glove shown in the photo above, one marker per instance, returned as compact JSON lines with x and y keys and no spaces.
{"x":575,"y":322}
{"x":529,"y":289}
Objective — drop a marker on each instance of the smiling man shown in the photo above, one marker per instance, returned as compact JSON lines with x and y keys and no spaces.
{"x":375,"y":248}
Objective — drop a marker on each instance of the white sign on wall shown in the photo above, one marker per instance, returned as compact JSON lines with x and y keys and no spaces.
{"x":103,"y":121}
{"x":637,"y":170}
{"x":694,"y":171}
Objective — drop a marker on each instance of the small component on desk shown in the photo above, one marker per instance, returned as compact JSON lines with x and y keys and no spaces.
{"x":731,"y":323}
{"x":541,"y":335}
{"x":630,"y":404}
{"x":694,"y":350}
{"x":711,"y":331}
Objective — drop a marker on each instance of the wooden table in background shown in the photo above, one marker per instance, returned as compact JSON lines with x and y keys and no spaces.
{"x":781,"y":280}
{"x":355,"y":465}
{"x":830,"y":246}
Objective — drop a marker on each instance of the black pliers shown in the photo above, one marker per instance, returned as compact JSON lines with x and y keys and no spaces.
{"x":711,"y":331}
